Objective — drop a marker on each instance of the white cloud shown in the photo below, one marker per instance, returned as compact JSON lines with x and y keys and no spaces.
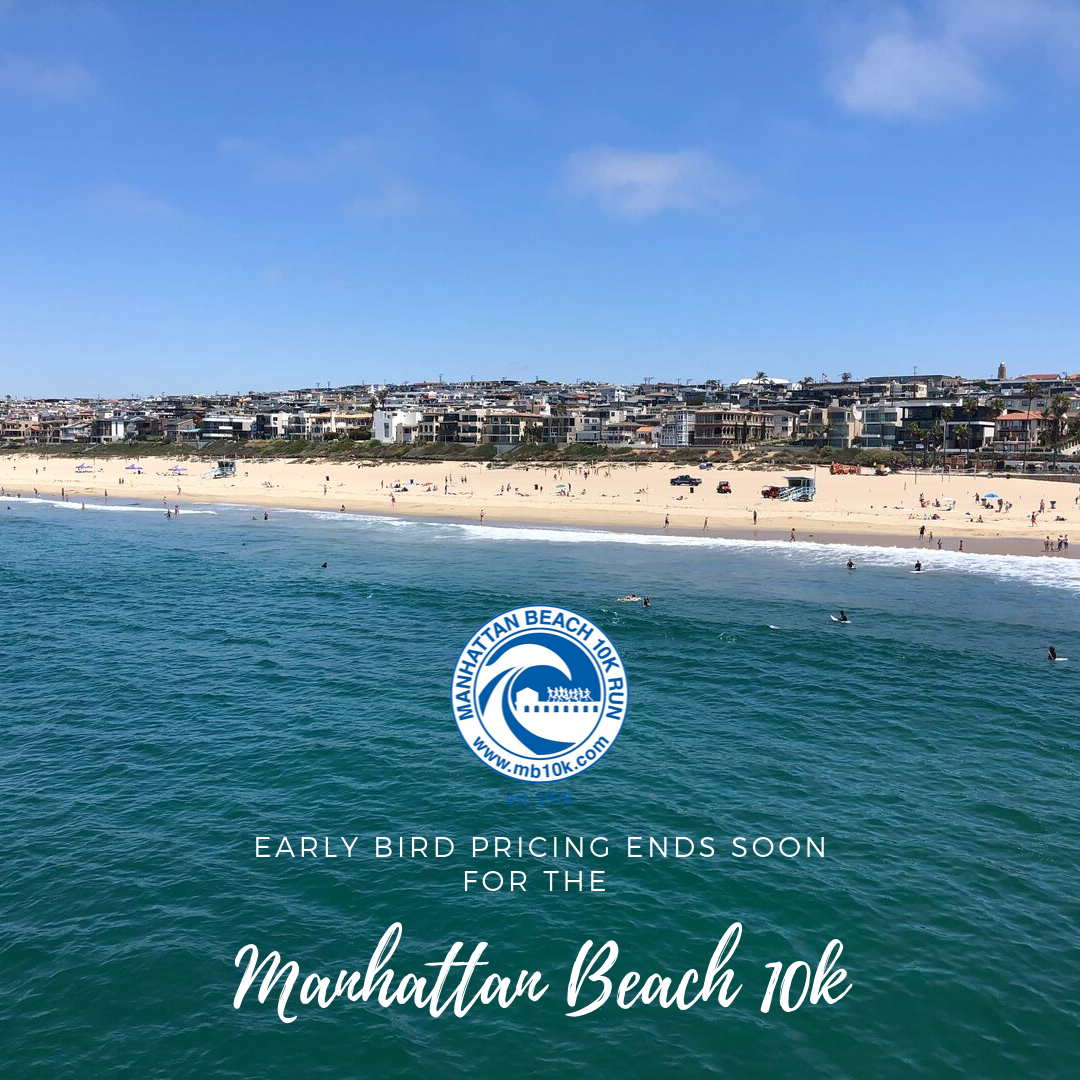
{"x":59,"y":81}
{"x":943,"y":66}
{"x":897,"y":75}
{"x":131,"y":201}
{"x":636,"y":184}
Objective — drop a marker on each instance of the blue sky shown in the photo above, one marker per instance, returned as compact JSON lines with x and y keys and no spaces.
{"x":249,"y":195}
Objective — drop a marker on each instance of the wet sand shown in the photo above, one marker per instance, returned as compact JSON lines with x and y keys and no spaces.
{"x":855,"y":510}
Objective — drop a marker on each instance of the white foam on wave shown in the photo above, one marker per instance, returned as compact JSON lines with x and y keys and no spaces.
{"x":1058,"y":572}
{"x":1036,"y":570}
{"x":357,"y":519}
{"x":111,"y":507}
{"x":1033,"y":569}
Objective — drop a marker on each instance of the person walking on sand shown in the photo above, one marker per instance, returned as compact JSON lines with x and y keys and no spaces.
{"x":667,"y":521}
{"x":791,"y":538}
{"x":705,"y":526}
{"x":481,"y":517}
{"x":755,"y":517}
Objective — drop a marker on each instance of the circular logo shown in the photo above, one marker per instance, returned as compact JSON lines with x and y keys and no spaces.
{"x":539,"y":693}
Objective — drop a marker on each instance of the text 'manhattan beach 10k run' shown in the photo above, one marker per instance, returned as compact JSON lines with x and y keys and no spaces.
{"x":539,"y":693}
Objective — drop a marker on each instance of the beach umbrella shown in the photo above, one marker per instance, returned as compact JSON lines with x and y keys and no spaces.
{"x":133,"y":468}
{"x":992,"y":495}
{"x":84,"y":467}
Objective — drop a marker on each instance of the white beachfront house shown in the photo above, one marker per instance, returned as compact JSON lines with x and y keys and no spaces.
{"x":395,"y":425}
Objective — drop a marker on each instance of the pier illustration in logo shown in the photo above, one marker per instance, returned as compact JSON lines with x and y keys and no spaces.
{"x":539,"y":684}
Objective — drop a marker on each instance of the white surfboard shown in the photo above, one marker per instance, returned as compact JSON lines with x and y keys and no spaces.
{"x":837,"y":619}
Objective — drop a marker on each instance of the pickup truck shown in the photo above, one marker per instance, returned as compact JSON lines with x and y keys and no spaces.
{"x":686,"y":480}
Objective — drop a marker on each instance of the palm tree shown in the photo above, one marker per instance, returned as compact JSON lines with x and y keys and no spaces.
{"x":1055,"y":411}
{"x":807,"y":380}
{"x":962,"y":433}
{"x":939,"y":429}
{"x":759,"y":377}
{"x":971,"y":406}
{"x":1031,"y":392}
{"x":533,"y":434}
{"x":937,"y":440}
{"x":845,"y":376}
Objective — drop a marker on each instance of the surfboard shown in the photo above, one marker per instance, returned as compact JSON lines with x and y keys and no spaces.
{"x":1061,"y":659}
{"x":916,"y":571}
{"x":837,"y":619}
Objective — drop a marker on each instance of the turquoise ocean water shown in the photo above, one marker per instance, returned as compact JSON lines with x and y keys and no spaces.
{"x":171,"y":689}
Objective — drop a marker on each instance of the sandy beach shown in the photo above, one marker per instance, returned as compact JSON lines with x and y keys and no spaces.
{"x":852,"y":509}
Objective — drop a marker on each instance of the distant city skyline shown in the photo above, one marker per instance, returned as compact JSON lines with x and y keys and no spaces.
{"x":283,"y":195}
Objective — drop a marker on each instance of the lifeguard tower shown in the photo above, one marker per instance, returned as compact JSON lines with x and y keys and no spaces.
{"x":799,"y":489}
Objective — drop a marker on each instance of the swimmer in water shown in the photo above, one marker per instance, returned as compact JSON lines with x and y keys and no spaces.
{"x":1051,"y":653}
{"x":633,"y":598}
{"x":323,"y":567}
{"x":646,"y":602}
{"x":918,"y":567}
{"x":850,"y":565}
{"x":843,"y":615}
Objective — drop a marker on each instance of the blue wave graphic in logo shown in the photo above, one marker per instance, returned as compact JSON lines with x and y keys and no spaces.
{"x":543,"y":689}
